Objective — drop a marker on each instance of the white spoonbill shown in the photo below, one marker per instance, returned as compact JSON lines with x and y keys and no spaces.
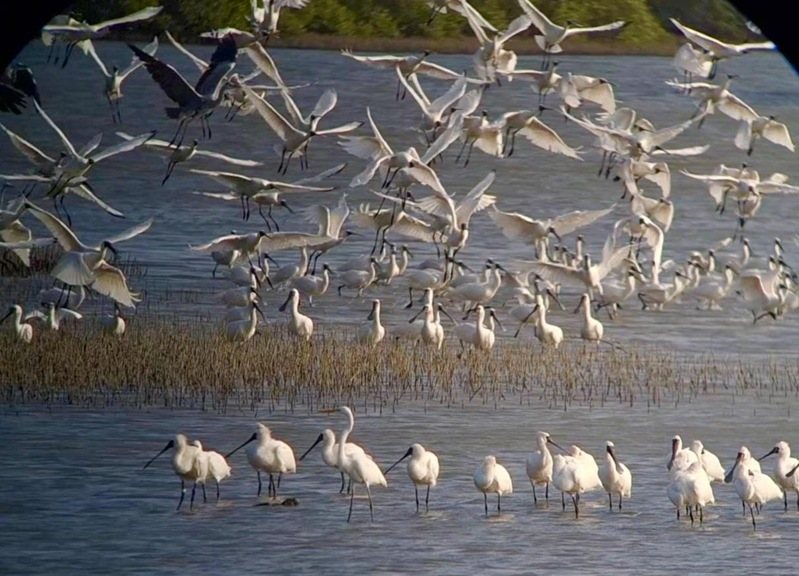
{"x":710,"y":462}
{"x":359,"y":467}
{"x":330,"y":452}
{"x":592,"y":329}
{"x":782,"y":470}
{"x":615,"y":476}
{"x":681,"y":458}
{"x":183,"y":463}
{"x":371,"y":332}
{"x":752,"y":487}
{"x":300,"y":325}
{"x":23,"y":330}
{"x":539,"y":464}
{"x":690,"y":488}
{"x":270,"y":456}
{"x":492,"y":477}
{"x":210,"y":464}
{"x":552,"y":34}
{"x":574,"y":474}
{"x":422,"y":470}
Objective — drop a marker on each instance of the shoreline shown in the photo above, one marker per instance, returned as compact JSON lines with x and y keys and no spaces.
{"x":465,"y":45}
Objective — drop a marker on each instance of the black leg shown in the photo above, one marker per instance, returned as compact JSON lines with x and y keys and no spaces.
{"x":182,"y":493}
{"x":259,"y":481}
{"x":193,"y":490}
{"x":205,"y":498}
{"x":535,"y":498}
{"x":427,"y":500}
{"x":371,"y":509}
{"x":485,"y":502}
{"x":342,"y":483}
{"x":416,"y":490}
{"x":352,"y":495}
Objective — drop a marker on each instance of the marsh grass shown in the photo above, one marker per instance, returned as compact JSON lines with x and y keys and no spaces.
{"x":182,"y":363}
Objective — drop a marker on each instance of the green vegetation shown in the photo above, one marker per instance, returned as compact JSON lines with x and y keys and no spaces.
{"x":335,"y":23}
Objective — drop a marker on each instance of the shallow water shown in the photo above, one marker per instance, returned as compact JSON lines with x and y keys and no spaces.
{"x":533,"y":182}
{"x":75,"y":499}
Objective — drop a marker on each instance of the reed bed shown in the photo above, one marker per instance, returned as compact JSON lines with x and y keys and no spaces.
{"x":187,"y":364}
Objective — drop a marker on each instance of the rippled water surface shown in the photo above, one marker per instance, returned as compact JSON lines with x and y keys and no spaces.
{"x":74,"y":498}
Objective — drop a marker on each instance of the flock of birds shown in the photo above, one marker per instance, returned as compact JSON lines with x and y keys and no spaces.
{"x":692,"y":471}
{"x":631,"y":264}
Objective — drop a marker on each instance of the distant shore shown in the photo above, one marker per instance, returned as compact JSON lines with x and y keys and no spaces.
{"x":460,"y":45}
{"x":466,"y":45}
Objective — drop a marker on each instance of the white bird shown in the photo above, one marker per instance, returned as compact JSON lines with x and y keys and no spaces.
{"x":710,"y":462}
{"x":552,"y":34}
{"x":492,"y":477}
{"x":300,"y":325}
{"x":407,"y":65}
{"x":358,"y":280}
{"x":313,"y":285}
{"x":479,"y":335}
{"x":269,"y":456}
{"x":690,"y":488}
{"x":114,"y":324}
{"x":430,"y":331}
{"x":752,"y":487}
{"x":539,"y":464}
{"x":765,"y":127}
{"x":527,"y":124}
{"x":264,"y":18}
{"x":289,"y":272}
{"x":184,"y":463}
{"x":422,"y":470}
{"x":22,"y":329}
{"x":211,"y":465}
{"x":84,"y":265}
{"x":592,"y":329}
{"x":714,"y":97}
{"x":242,"y":329}
{"x":548,"y":334}
{"x":359,"y":467}
{"x":574,"y":474}
{"x":717,"y":49}
{"x":492,"y":57}
{"x":178,"y":154}
{"x":615,"y":476}
{"x":516,"y":226}
{"x":245,"y":244}
{"x":77,"y":33}
{"x":782,"y":470}
{"x":55,"y":316}
{"x":371,"y":332}
{"x":384,"y":159}
{"x":681,"y":458}
{"x":587,"y":275}
{"x":294,"y":138}
{"x":115,"y":78}
{"x":330,"y":452}
{"x":247,"y":187}
{"x":461,"y":7}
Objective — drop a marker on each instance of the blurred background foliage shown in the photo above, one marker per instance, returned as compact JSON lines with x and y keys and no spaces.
{"x":391,"y":19}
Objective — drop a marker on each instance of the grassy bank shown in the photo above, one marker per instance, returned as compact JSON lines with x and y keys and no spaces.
{"x":182,"y":364}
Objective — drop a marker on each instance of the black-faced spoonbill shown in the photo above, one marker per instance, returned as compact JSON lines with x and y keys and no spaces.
{"x":492,"y":478}
{"x":422,"y":470}
{"x":330,"y":453}
{"x":783,"y":469}
{"x":184,"y":463}
{"x":754,"y":488}
{"x":539,"y":464}
{"x":359,"y":467}
{"x":268,"y":455}
{"x":210,"y":465}
{"x":615,"y":476}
